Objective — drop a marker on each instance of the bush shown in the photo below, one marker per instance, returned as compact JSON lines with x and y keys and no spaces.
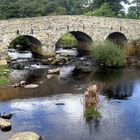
{"x":109,"y":54}
{"x":23,"y":43}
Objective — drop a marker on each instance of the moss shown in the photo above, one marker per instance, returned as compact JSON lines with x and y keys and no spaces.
{"x":91,"y":113}
{"x":4,"y":75}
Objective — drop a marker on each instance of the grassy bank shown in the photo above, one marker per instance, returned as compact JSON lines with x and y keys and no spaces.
{"x":4,"y":75}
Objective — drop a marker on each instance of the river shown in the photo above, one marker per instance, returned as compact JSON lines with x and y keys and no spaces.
{"x":36,"y":109}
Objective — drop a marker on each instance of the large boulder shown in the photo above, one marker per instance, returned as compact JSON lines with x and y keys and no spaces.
{"x":26,"y":136}
{"x":5,"y":124}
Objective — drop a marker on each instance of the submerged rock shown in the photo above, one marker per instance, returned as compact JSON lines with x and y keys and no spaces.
{"x":26,"y":136}
{"x":5,"y":125}
{"x":31,"y":86}
{"x":59,"y":103}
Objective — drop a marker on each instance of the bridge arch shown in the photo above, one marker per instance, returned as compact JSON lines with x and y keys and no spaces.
{"x":118,"y":38}
{"x":26,"y":42}
{"x":84,"y":41}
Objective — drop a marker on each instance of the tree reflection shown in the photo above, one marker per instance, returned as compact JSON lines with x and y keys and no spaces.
{"x":121,"y":92}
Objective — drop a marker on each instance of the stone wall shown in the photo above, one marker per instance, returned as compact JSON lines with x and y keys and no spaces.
{"x":50,"y":28}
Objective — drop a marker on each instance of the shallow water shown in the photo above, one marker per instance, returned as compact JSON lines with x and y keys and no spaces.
{"x":36,"y":109}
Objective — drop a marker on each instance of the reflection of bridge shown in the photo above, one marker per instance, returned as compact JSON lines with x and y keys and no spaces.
{"x":48,"y":30}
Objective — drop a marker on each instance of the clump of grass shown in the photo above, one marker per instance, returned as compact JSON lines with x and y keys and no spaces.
{"x":91,"y":113}
{"x":4,"y":75}
{"x":108,"y":54}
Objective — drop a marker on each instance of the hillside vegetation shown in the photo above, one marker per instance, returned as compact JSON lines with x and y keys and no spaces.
{"x":32,"y":8}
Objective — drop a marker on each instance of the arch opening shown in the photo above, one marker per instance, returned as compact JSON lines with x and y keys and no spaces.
{"x":118,"y":38}
{"x":24,"y":43}
{"x":79,"y":40}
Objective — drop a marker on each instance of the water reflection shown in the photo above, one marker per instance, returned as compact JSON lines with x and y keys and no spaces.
{"x":36,"y":109}
{"x":93,"y":124}
{"x":121,"y":92}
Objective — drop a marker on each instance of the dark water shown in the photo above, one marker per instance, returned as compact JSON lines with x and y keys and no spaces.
{"x":35,"y":109}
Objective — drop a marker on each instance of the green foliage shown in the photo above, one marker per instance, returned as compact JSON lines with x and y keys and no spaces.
{"x":91,"y":113}
{"x":67,"y":40}
{"x":104,"y":10}
{"x":99,"y":6}
{"x":109,"y":54}
{"x":32,"y":8}
{"x":23,"y":43}
{"x":134,"y":12}
{"x":4,"y":75}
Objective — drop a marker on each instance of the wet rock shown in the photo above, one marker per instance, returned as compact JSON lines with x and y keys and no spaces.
{"x":61,"y":60}
{"x":5,"y":125}
{"x":59,"y":104}
{"x":22,"y":83}
{"x":54,"y":71}
{"x":82,"y":69}
{"x":26,"y":136}
{"x":31,"y":86}
{"x":47,"y":61}
{"x":49,"y":76}
{"x":7,"y":116}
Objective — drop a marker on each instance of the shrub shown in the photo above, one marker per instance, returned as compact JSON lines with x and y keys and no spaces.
{"x":109,"y":54}
{"x":22,"y":41}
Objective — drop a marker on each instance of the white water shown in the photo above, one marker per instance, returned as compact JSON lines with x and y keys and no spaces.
{"x":19,"y":55}
{"x":67,"y":52}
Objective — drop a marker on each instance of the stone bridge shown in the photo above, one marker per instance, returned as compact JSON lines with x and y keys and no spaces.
{"x":46,"y":31}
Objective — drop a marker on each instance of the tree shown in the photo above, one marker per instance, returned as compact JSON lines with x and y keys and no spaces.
{"x":134,"y":10}
{"x":104,"y":10}
{"x":115,"y":5}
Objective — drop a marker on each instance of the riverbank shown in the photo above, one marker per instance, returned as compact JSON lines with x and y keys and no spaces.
{"x":4,"y":75}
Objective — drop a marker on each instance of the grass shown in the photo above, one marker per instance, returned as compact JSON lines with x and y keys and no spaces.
{"x":91,"y":113}
{"x":108,"y":54}
{"x":4,"y":75}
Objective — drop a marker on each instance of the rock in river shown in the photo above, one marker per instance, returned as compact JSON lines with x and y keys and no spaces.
{"x":31,"y":86}
{"x":26,"y":136}
{"x":5,"y":125}
{"x":7,"y":116}
{"x":54,"y":71}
